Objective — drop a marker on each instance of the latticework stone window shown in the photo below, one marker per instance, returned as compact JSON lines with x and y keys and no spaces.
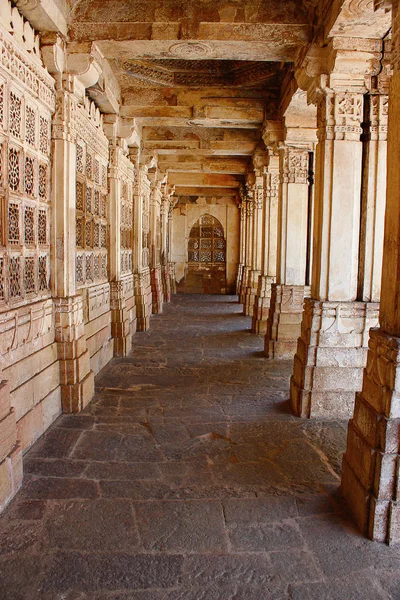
{"x":15,"y":104}
{"x":91,"y":205}
{"x":24,"y":168}
{"x":30,"y":126}
{"x":206,"y":242}
{"x":126,"y":225}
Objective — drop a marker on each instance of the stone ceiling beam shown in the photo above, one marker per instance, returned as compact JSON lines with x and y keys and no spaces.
{"x":206,"y":191}
{"x":204,"y":180}
{"x":45,"y":15}
{"x":189,"y":164}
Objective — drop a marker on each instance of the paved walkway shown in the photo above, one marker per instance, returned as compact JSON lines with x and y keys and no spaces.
{"x":188,"y":479}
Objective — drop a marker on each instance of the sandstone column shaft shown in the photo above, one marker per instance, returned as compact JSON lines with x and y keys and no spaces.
{"x":371,"y":466}
{"x":269,"y":247}
{"x":284,"y":322}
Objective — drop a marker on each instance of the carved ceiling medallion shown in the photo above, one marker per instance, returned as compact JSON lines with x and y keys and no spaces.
{"x":191,"y":50}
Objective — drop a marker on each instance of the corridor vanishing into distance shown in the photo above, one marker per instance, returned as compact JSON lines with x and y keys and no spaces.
{"x":187,"y":478}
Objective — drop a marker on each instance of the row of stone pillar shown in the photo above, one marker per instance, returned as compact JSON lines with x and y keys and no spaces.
{"x":317,"y":298}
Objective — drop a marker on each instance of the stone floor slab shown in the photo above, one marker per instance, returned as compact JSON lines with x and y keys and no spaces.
{"x":187,"y":478}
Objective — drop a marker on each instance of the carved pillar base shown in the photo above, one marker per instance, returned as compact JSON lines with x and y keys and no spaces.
{"x":166,"y":284}
{"x":251,"y":293}
{"x":262,"y":304}
{"x":239,"y":279}
{"x":120,"y":320}
{"x":156,"y":290}
{"x":371,"y":464}
{"x":172,"y":278}
{"x":76,"y":377}
{"x":143,"y":298}
{"x":330,"y":358}
{"x":284,"y":321}
{"x":10,"y":450}
{"x":245,"y":279}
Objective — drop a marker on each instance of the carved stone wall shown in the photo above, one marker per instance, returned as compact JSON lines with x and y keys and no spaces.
{"x":142,"y":281}
{"x":92,"y":232}
{"x":30,"y":396}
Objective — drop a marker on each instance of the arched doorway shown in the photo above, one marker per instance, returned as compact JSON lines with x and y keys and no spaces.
{"x":206,"y":256}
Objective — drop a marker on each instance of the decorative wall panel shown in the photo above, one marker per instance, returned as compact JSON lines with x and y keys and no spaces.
{"x":91,"y":198}
{"x":27,"y":101}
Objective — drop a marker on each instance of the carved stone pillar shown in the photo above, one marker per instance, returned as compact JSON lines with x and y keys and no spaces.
{"x":171,"y":265}
{"x":374,"y":193}
{"x":284,"y":321}
{"x":155,"y":243}
{"x":76,"y":377}
{"x":242,"y":247}
{"x":269,"y":246}
{"x":165,"y":278}
{"x":371,"y":465}
{"x":258,"y":192}
{"x":121,"y":181}
{"x":332,"y":348}
{"x":248,"y":250}
{"x":141,"y":228}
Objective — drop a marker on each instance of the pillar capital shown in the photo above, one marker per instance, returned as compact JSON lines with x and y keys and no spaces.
{"x":294,"y":165}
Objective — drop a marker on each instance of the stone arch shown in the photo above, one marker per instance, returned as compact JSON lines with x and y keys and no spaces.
{"x":205,"y":271}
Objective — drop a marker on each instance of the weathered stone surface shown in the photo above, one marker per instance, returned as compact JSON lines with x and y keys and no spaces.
{"x":154,"y":501}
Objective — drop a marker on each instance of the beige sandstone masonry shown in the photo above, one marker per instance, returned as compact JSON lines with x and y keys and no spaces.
{"x":156,"y":179}
{"x":141,"y":250}
{"x":121,"y":182}
{"x":242,"y":246}
{"x":249,"y":246}
{"x":254,"y":272}
{"x":165,"y":243}
{"x":30,"y":389}
{"x":332,"y":348}
{"x":269,"y":246}
{"x":293,"y":257}
{"x":258,"y":190}
{"x":370,"y":480}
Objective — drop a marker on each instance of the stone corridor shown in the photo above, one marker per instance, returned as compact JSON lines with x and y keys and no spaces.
{"x":188,"y":479}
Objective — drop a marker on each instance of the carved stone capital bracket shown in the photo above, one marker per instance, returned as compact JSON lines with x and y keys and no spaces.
{"x":379,"y":110}
{"x":340,"y":116}
{"x":294,"y":165}
{"x":273,"y":132}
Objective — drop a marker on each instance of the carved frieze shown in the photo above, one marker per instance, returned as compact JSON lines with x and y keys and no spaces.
{"x":295,"y":165}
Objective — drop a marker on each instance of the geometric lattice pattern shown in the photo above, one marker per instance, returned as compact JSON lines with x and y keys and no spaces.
{"x":207,"y":242}
{"x":91,"y":211}
{"x":25,"y":148}
{"x":126,"y":227}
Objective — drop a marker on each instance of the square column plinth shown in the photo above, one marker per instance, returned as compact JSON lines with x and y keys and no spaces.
{"x":262,"y":304}
{"x":331,"y":354}
{"x":371,"y":466}
{"x":284,"y":321}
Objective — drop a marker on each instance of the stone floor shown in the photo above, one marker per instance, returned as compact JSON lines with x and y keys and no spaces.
{"x":188,"y":479}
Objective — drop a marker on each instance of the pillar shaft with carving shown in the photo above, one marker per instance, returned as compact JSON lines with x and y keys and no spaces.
{"x":165,"y":269}
{"x":76,"y":377}
{"x":141,"y":228}
{"x":371,"y":467}
{"x":269,"y":246}
{"x":258,"y":193}
{"x":171,"y":265}
{"x":242,"y":246}
{"x":287,"y":297}
{"x":121,"y":181}
{"x":331,"y":351}
{"x":248,"y":249}
{"x":155,"y":244}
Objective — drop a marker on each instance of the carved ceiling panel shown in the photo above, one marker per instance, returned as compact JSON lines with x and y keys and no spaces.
{"x":205,"y":73}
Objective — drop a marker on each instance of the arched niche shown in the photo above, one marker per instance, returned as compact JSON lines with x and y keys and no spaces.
{"x":206,"y":257}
